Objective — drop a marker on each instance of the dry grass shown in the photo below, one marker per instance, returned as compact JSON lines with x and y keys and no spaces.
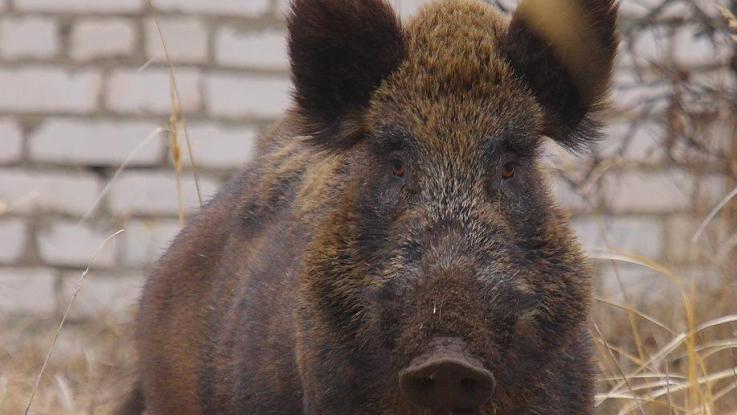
{"x":89,"y":370}
{"x":676,"y":358}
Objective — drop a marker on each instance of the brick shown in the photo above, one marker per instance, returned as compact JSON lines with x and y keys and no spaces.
{"x":27,"y":291}
{"x":695,"y":47}
{"x":102,"y":38}
{"x":145,"y":241}
{"x":29,"y":37}
{"x":53,"y":90}
{"x":149,"y":91}
{"x":409,"y":8}
{"x":75,"y":6}
{"x":156,"y":193}
{"x":248,"y":8}
{"x":260,"y":50}
{"x":11,"y":141}
{"x":102,"y":294}
{"x":13,"y":240}
{"x":633,"y":142}
{"x":719,"y":79}
{"x":637,"y":9}
{"x":186,"y":40}
{"x":99,"y":142}
{"x":219,"y":146}
{"x":663,"y":191}
{"x":651,"y":44}
{"x":243,"y":96}
{"x":708,"y":191}
{"x":67,"y":192}
{"x":645,"y":286}
{"x":707,"y":142}
{"x":68,"y":243}
{"x":681,"y":229}
{"x":569,"y":198}
{"x":632,"y":235}
{"x":639,"y":92}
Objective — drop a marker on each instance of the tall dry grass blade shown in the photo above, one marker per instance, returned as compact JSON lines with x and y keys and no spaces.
{"x":695,"y":362}
{"x":645,"y":376}
{"x":729,"y":17}
{"x":712,"y":214}
{"x":637,"y":313}
{"x":632,"y":358}
{"x":37,"y":382}
{"x":614,"y":361}
{"x":721,"y":375}
{"x":630,"y":317}
{"x":176,"y":155}
{"x":148,"y":63}
{"x":178,"y":117}
{"x":661,"y":354}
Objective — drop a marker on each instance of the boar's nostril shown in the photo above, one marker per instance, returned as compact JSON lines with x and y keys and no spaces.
{"x":447,"y":383}
{"x":469,"y":386}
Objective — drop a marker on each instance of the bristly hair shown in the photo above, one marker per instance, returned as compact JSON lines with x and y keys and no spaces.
{"x":341,"y":51}
{"x":564,"y":50}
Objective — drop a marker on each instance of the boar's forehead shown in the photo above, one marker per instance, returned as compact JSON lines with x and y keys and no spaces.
{"x":455,"y":87}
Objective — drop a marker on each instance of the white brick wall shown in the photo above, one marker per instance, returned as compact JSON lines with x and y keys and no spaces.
{"x":27,"y":291}
{"x":633,"y":235}
{"x":106,"y":142}
{"x":37,"y":90}
{"x":693,"y":47}
{"x":28,"y":37}
{"x":102,"y":38}
{"x":235,"y":96}
{"x":644,"y":142}
{"x":263,"y":49}
{"x":84,"y":6}
{"x":56,"y":191}
{"x":12,"y":240}
{"x":101,"y":294}
{"x":186,"y":39}
{"x":69,"y":243}
{"x":145,"y":241}
{"x":156,"y":193}
{"x":245,"y":8}
{"x":11,"y":141}
{"x":220,"y":146}
{"x":661,"y":191}
{"x":149,"y":91}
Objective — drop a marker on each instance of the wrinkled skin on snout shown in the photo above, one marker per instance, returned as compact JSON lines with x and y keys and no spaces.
{"x":394,"y":247}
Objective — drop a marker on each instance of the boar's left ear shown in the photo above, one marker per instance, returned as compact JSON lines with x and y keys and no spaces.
{"x":564,"y":51}
{"x":341,"y":51}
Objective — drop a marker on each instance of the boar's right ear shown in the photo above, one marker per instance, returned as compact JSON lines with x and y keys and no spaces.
{"x":564,"y":51}
{"x":341,"y":51}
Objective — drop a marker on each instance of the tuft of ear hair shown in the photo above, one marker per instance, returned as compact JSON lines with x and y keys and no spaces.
{"x":564,"y":50}
{"x":341,"y":51}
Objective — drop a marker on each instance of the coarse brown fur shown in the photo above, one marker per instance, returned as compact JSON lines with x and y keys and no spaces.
{"x":400,"y":202}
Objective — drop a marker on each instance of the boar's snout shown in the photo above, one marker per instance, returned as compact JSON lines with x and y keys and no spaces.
{"x":447,"y":378}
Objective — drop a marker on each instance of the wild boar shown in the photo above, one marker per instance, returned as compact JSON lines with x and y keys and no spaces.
{"x":394,"y":247}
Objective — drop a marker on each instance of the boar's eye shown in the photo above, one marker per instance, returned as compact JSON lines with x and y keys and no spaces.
{"x":398,"y":168}
{"x":508,"y":170}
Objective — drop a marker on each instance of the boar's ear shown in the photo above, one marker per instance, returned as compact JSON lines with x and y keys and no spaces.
{"x":564,"y":50}
{"x":341,"y":51}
